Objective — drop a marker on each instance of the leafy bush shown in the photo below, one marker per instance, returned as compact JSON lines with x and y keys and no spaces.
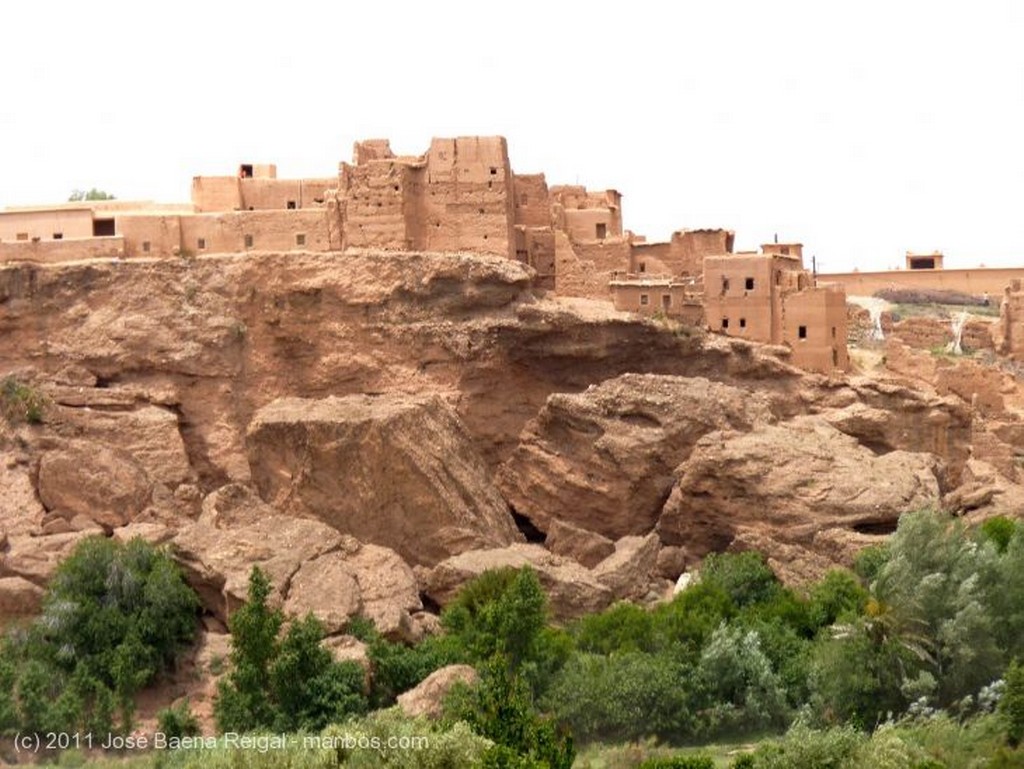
{"x":680,"y":762}
{"x":177,"y":721}
{"x":745,"y":577}
{"x":282,"y":684}
{"x":499,"y":707}
{"x":839,"y":595}
{"x":739,"y":689}
{"x":625,"y":696}
{"x":804,"y":748}
{"x":1011,"y":706}
{"x":999,"y":531}
{"x":624,"y":627}
{"x":114,"y":616}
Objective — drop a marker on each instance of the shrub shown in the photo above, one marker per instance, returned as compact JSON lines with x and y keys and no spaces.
{"x":177,"y":721}
{"x":623,"y":697}
{"x":499,"y":707}
{"x":113,"y":617}
{"x":745,"y":577}
{"x":282,"y":684}
{"x":1011,"y":706}
{"x":624,"y":627}
{"x":680,"y":762}
{"x":804,"y":748}
{"x":999,"y":531}
{"x":838,"y":595}
{"x":21,"y":402}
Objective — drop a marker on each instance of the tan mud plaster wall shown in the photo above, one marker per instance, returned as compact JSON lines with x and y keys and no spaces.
{"x":69,"y":222}
{"x":978,"y":281}
{"x":269,"y":231}
{"x":52,"y":251}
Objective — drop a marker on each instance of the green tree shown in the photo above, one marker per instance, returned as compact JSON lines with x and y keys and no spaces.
{"x":92,"y":194}
{"x":284,"y":684}
{"x":1011,"y":706}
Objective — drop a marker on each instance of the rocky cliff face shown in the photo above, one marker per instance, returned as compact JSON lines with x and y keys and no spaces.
{"x":341,"y":418}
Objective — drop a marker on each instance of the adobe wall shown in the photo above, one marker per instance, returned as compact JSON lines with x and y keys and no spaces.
{"x":532,"y":200}
{"x":586,"y":269}
{"x":814,"y":326}
{"x":683,"y":254}
{"x":658,"y":297}
{"x":212,"y":194}
{"x":148,"y":235}
{"x":977,"y":281}
{"x":1008,"y":333}
{"x":269,"y":230}
{"x":468,"y":201}
{"x":535,"y":246}
{"x":738,"y":308}
{"x":50,"y":251}
{"x":378,"y":205}
{"x":42,"y":224}
{"x":579,"y":211}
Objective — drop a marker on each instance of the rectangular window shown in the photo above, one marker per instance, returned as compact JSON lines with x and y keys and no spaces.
{"x":201,"y":244}
{"x":601,"y":230}
{"x":58,"y":236}
{"x":725,"y":323}
{"x":833,"y":332}
{"x":145,"y":246}
{"x":21,"y":236}
{"x":802,"y":332}
{"x":644,"y":299}
{"x":300,"y":239}
{"x":103,"y":228}
{"x":248,"y":241}
{"x":743,"y":322}
{"x":643,"y":266}
{"x":291,"y":205}
{"x":725,"y":284}
{"x":748,"y":284}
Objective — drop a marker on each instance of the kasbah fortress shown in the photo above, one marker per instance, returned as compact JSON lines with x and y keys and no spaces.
{"x":379,"y":384}
{"x":462,"y":196}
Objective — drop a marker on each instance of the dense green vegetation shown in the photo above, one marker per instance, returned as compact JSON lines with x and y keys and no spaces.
{"x":114,"y":617}
{"x":914,"y":659}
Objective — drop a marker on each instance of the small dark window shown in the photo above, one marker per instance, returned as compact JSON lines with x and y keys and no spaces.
{"x":644,"y":299}
{"x":58,"y":236}
{"x":833,"y":332}
{"x":291,"y":205}
{"x":725,"y":323}
{"x":480,"y":210}
{"x":300,"y":239}
{"x":245,"y":171}
{"x":748,"y":284}
{"x":248,"y":241}
{"x":802,"y":332}
{"x":201,"y":244}
{"x":601,"y":230}
{"x":835,"y":357}
{"x":743,"y":322}
{"x":145,"y":246}
{"x":643,"y":266}
{"x":725,"y":284}
{"x":494,"y":171}
{"x":103,"y":228}
{"x":778,"y":277}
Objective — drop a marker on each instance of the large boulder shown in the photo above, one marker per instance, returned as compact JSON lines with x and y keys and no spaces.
{"x":395,"y":470}
{"x":101,"y":482}
{"x":572,"y":590}
{"x":587,"y":547}
{"x":427,"y":699}
{"x":603,"y":460}
{"x":629,"y":571}
{"x":311,"y":566}
{"x":18,"y":596}
{"x":788,"y":481}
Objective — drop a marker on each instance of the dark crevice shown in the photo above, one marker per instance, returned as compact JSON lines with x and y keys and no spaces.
{"x":527,"y":528}
{"x":429,"y":604}
{"x":876,"y":527}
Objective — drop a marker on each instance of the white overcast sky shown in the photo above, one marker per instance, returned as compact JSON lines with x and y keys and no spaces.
{"x":862,"y":129}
